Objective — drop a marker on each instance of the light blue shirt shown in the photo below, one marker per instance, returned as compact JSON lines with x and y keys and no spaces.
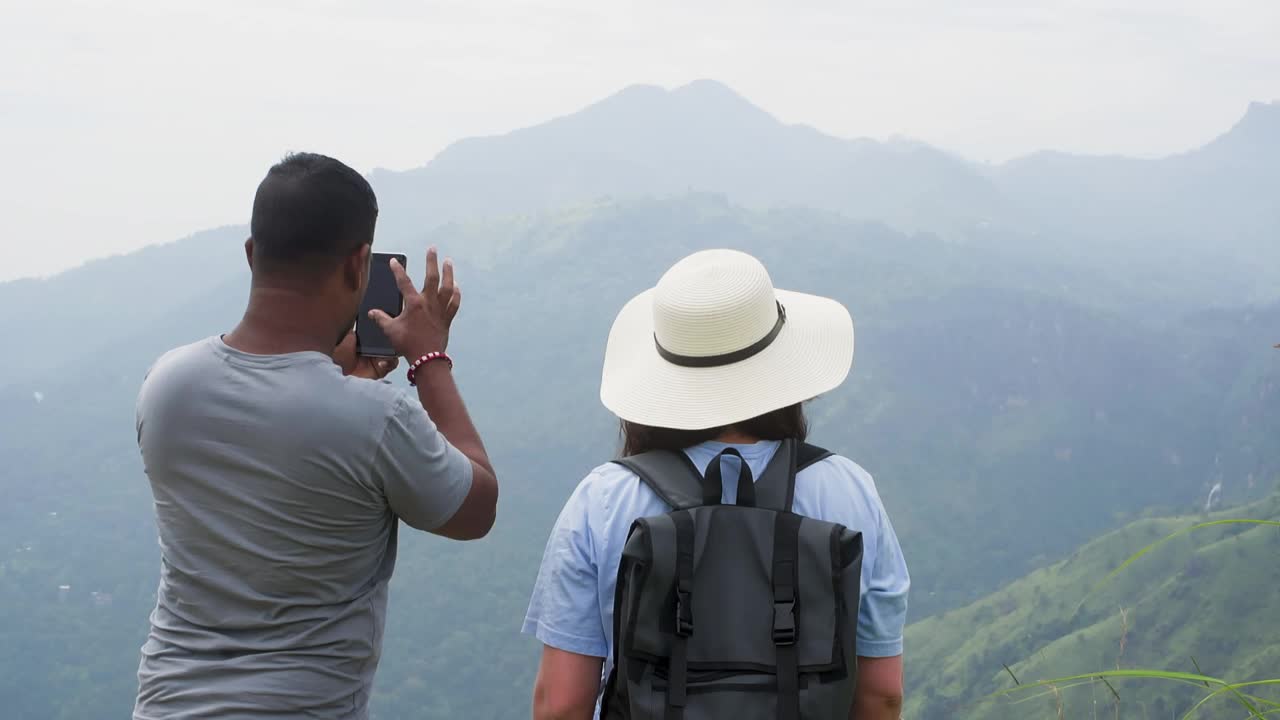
{"x":572,"y":604}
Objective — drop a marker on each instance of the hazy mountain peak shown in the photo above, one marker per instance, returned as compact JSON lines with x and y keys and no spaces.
{"x":640,"y":121}
{"x":1261,"y":117}
{"x":713,"y":91}
{"x":640,"y":94}
{"x":704,"y":98}
{"x":1259,"y":128}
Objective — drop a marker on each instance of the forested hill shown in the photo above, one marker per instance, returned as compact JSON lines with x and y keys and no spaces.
{"x":1204,"y":602}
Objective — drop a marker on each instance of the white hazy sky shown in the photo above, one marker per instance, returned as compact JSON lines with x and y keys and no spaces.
{"x":131,"y":122}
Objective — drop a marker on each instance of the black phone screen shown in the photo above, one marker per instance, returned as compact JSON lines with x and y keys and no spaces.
{"x":382,"y":294}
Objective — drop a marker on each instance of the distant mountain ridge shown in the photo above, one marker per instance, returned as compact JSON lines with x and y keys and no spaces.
{"x":1259,"y":126}
{"x":704,"y":137}
{"x":1218,"y":200}
{"x":1206,"y":214}
{"x":702,"y":102}
{"x":1209,"y":207}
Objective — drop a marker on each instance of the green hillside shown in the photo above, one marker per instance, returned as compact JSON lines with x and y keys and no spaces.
{"x":1206,"y":599}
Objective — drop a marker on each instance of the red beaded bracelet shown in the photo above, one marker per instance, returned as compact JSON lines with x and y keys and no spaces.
{"x":413,"y":369}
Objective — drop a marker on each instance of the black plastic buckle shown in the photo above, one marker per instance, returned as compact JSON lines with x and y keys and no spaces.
{"x":684,"y":613}
{"x":784,"y":623}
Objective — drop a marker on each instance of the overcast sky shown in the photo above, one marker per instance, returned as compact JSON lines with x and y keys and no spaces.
{"x":131,"y":122}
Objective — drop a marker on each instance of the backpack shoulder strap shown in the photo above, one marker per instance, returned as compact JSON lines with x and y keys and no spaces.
{"x":777,"y":484}
{"x":671,"y":475}
{"x":807,"y":455}
{"x":776,"y":488}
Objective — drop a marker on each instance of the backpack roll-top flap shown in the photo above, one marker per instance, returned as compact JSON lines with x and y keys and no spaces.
{"x":846,"y":554}
{"x":733,"y":617}
{"x":638,"y":611}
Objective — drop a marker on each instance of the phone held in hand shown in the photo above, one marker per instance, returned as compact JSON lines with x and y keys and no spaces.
{"x":382,"y":294}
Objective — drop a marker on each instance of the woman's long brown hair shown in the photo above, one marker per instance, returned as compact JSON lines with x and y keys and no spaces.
{"x":781,"y":424}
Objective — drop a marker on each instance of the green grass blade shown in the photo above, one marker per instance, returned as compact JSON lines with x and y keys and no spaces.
{"x":1197,"y":665}
{"x":1237,"y":686}
{"x":1171,"y":675}
{"x":1128,"y":674}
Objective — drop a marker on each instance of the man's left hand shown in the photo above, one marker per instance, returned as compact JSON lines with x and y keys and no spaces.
{"x":353,"y":364}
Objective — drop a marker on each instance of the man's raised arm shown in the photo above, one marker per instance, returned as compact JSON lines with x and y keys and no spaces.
{"x":422,"y":331}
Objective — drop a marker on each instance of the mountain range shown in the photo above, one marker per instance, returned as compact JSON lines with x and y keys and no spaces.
{"x":1030,"y":374}
{"x":1144,"y":214}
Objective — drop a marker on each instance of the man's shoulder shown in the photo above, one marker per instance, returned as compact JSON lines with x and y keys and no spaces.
{"x":196,"y":352}
{"x":368,"y":403}
{"x":382,"y":393}
{"x":181,"y":365}
{"x":314,"y":381}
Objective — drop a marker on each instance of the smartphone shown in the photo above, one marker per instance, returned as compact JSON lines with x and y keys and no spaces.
{"x":382,"y":294}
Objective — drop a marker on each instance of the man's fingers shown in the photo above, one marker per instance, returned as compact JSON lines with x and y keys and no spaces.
{"x":455,"y":302}
{"x":383,"y":319}
{"x":446,"y":281}
{"x":432,"y":283}
{"x":402,"y":280}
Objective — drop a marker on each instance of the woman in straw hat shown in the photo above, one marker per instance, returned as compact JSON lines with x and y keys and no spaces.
{"x":712,"y":358}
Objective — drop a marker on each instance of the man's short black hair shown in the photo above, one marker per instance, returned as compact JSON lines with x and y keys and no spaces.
{"x":310,"y":211}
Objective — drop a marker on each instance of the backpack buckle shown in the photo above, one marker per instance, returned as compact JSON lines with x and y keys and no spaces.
{"x":784,"y":623}
{"x":684,"y":613}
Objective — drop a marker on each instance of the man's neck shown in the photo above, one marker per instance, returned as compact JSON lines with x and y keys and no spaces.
{"x":280,"y":321}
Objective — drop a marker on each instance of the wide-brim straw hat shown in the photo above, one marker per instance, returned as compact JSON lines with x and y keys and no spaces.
{"x":714,"y":344}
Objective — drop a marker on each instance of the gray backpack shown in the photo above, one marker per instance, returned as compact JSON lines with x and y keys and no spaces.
{"x":733,"y":611}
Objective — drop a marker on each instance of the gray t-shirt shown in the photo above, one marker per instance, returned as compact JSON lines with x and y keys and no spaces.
{"x":278,"y":487}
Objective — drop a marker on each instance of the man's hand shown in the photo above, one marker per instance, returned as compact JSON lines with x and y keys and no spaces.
{"x":423,"y":326}
{"x":354,"y":364}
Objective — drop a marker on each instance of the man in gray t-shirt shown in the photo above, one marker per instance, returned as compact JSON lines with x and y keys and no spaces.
{"x":281,"y":468}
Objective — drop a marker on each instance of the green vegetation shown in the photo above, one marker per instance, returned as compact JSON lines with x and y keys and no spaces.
{"x":1200,"y":603}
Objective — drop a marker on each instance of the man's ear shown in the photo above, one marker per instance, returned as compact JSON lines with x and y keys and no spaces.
{"x":355,"y":269}
{"x":248,"y":252}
